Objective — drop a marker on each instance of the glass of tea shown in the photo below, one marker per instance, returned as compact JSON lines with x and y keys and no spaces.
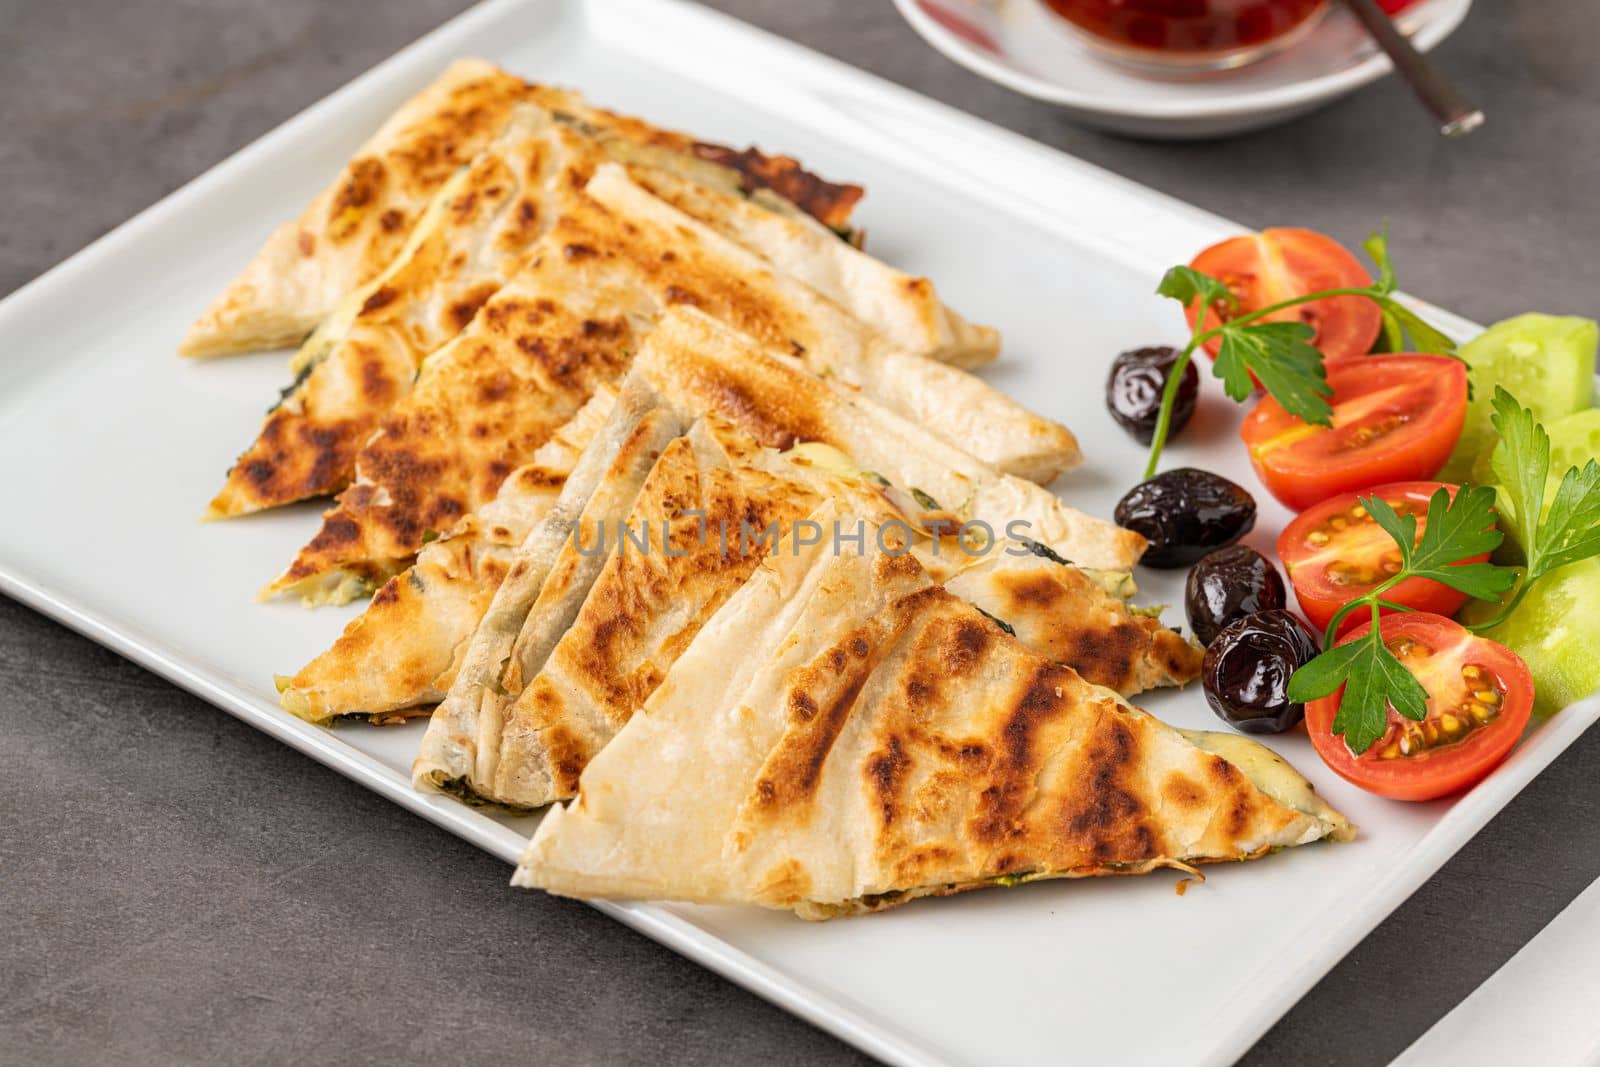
{"x":1189,"y":35}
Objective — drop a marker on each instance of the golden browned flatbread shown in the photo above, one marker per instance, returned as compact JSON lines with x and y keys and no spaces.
{"x":431,"y":611}
{"x":399,"y":656}
{"x":570,"y":321}
{"x":699,"y":364}
{"x":844,"y":736}
{"x":713,"y":506}
{"x":364,"y":358}
{"x":545,"y":584}
{"x":1079,"y":618}
{"x":644,"y":607}
{"x":906,"y":309}
{"x":517,"y":731}
{"x":480,"y":229}
{"x":356,"y":226}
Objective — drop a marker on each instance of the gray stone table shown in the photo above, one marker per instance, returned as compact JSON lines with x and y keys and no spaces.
{"x":175,"y":889}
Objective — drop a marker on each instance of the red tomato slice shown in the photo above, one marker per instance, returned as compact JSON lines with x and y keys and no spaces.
{"x":1335,"y":553}
{"x":1479,"y":698}
{"x":1395,"y":419}
{"x":1394,"y":7}
{"x":1274,"y":265}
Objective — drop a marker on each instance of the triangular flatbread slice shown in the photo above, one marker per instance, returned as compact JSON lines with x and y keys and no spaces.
{"x":514,"y":738}
{"x":357,"y":225}
{"x":1079,"y":618}
{"x":547,"y":578}
{"x":364,"y":356}
{"x":480,"y":229}
{"x":572,"y":320}
{"x":844,"y":736}
{"x":904,"y":308}
{"x":700,"y":364}
{"x":736,"y":286}
{"x":646,"y":604}
{"x":398,"y":657}
{"x":712,"y":507}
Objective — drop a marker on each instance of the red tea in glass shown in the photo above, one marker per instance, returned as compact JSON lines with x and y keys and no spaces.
{"x":1189,"y":34}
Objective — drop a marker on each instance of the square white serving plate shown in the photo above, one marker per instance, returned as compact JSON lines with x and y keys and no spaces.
{"x":110,"y":446}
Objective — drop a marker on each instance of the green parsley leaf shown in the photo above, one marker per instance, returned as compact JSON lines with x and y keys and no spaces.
{"x":1403,"y":528}
{"x":1373,"y":681}
{"x":1394,"y":336}
{"x":1377,"y":247}
{"x":1279,"y":355}
{"x":1571,"y":531}
{"x":1522,"y":463}
{"x":925,"y":501}
{"x":1044,"y":551}
{"x":998,"y":621}
{"x":1400,"y":322}
{"x":1456,"y":530}
{"x":1185,"y":285}
{"x":1377,"y":681}
{"x":1323,"y":675}
{"x":1282,"y":358}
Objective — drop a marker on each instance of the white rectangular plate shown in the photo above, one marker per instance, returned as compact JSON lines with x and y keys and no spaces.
{"x":110,"y":446}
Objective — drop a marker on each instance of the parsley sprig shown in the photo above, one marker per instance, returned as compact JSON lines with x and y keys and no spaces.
{"x":1372,"y":676}
{"x":1280,"y":355}
{"x":1456,"y":530}
{"x":1570,"y":531}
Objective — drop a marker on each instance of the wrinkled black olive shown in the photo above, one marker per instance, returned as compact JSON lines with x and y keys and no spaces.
{"x":1247,"y":669}
{"x":1229,"y":584}
{"x":1185,"y":513}
{"x":1133,"y":391}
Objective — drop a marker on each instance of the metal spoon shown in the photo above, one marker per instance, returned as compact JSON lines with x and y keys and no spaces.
{"x":1457,"y":118}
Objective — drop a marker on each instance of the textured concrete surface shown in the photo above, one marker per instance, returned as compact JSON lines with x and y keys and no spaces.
{"x":177,"y":889}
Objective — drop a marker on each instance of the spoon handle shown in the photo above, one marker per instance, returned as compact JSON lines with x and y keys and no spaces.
{"x":1456,"y":117}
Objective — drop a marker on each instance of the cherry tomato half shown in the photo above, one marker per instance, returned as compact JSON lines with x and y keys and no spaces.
{"x":1395,"y":419}
{"x":1277,"y":264}
{"x":1479,"y":698}
{"x":1335,"y":552}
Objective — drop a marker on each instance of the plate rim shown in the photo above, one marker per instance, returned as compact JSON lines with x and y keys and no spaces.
{"x":1300,"y":94}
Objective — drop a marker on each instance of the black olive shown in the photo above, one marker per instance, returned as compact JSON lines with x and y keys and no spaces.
{"x":1229,"y":584}
{"x":1247,"y":669}
{"x":1133,"y":392}
{"x":1185,"y":513}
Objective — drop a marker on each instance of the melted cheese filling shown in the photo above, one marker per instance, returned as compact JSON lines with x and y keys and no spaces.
{"x":1271,"y":773}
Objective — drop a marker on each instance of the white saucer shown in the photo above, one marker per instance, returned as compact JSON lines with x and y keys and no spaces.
{"x":1024,"y":47}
